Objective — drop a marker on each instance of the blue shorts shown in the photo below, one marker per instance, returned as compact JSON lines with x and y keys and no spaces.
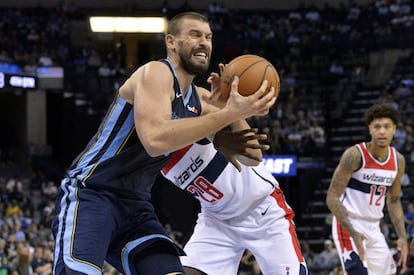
{"x":95,"y":224}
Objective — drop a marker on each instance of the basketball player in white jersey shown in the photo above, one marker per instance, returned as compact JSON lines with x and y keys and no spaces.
{"x":368,"y":177}
{"x":240,"y":210}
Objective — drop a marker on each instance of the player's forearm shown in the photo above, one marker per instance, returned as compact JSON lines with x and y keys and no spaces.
{"x":257,"y":153}
{"x":239,"y":125}
{"x":396,"y":215}
{"x":341,"y":214}
{"x":176,"y":134}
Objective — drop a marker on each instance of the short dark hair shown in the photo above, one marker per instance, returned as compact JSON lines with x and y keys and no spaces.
{"x":381,"y":110}
{"x":175,"y":22}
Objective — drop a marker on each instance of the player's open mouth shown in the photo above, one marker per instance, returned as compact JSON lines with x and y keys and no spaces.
{"x":202,"y":56}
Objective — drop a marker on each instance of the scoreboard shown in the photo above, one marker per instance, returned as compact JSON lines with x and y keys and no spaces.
{"x":8,"y":81}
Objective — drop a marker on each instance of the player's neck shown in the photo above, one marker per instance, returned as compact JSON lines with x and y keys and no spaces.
{"x":184,"y":77}
{"x":185,"y":84}
{"x":379,"y":153}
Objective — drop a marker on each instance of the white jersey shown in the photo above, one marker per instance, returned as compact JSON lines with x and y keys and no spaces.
{"x":216,"y":183}
{"x":239,"y":210}
{"x":364,"y":196}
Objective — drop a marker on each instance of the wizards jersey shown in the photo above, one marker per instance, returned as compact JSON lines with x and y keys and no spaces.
{"x":115,"y":156}
{"x":364,"y":196}
{"x":216,"y":183}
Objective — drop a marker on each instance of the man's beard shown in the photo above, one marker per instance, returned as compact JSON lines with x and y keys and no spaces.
{"x":190,"y":67}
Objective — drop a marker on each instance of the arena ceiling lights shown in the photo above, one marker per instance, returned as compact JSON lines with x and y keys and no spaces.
{"x":128,"y":24}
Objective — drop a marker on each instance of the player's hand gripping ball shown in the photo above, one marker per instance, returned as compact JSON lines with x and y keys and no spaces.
{"x":251,"y":70}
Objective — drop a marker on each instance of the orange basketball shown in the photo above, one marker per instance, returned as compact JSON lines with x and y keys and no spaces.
{"x":251,"y":70}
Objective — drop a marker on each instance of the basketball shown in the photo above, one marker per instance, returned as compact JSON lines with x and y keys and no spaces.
{"x":252,"y":70}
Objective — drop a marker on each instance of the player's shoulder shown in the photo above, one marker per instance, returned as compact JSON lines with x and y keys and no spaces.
{"x":351,"y":158}
{"x":154,"y":71}
{"x":148,"y":74}
{"x":400,"y":158}
{"x":155,"y":66}
{"x":352,"y":152}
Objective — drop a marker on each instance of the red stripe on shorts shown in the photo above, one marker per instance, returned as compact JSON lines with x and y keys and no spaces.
{"x":343,"y":238}
{"x":280,"y":200}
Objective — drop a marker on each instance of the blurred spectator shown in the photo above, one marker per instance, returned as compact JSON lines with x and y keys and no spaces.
{"x":405,"y":180}
{"x":21,"y":263}
{"x":48,"y":257}
{"x":358,"y":74}
{"x":44,"y":59}
{"x":326,"y":260}
{"x":14,"y":187}
{"x":12,"y":208}
{"x":400,"y":136}
{"x":5,"y":57}
{"x":313,"y":14}
{"x":318,"y":136}
{"x":403,"y":91}
{"x":277,"y":138}
{"x":336,"y":72}
{"x":104,"y":70}
{"x":308,"y":254}
{"x":336,"y":68}
{"x":409,"y":219}
{"x":30,"y":67}
{"x":327,"y":229}
{"x":47,"y":214}
{"x":295,"y":141}
{"x":17,"y":229}
{"x":4,"y":259}
{"x":39,"y":264}
{"x":94,"y":60}
{"x":33,"y":36}
{"x":49,"y":189}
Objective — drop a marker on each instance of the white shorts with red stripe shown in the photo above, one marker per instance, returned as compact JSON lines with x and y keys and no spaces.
{"x":378,"y":256}
{"x":268,"y":231}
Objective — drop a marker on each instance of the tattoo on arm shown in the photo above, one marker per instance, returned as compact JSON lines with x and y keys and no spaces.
{"x":349,"y":162}
{"x":396,"y":215}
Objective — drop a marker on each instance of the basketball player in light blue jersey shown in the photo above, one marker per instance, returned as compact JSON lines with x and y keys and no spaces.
{"x":103,"y":210}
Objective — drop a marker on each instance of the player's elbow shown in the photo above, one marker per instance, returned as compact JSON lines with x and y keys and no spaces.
{"x":153,"y":153}
{"x":153,"y":148}
{"x":330,"y":201}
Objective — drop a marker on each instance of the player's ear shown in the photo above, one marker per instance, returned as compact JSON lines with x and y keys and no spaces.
{"x":221,"y":68}
{"x":170,"y":41}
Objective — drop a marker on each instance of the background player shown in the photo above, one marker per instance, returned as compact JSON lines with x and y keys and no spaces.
{"x":368,"y":176}
{"x":239,"y":210}
{"x":103,"y":211}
